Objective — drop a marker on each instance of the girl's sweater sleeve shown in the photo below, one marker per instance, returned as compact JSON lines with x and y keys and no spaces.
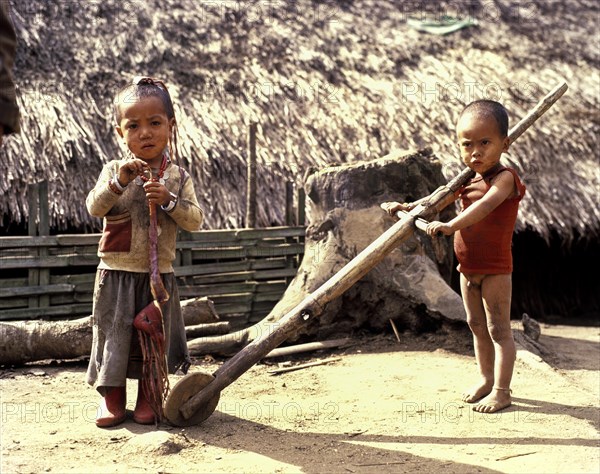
{"x":101,"y":198}
{"x":187,"y":213}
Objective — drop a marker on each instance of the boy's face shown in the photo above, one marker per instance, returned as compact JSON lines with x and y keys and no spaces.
{"x":145,"y":128}
{"x":480,"y":141}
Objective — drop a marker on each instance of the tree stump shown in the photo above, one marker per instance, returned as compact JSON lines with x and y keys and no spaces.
{"x":410,"y":286}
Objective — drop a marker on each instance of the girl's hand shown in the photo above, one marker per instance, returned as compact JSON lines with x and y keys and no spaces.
{"x":131,"y":169}
{"x":437,"y":227}
{"x":392,"y":207}
{"x":157,"y":193}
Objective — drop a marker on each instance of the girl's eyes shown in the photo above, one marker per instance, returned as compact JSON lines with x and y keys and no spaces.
{"x":132,"y":126}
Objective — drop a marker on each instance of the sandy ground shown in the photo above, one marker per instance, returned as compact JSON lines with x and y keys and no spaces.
{"x":384,"y":406}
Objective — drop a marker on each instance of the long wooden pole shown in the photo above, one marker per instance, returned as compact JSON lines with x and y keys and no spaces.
{"x":251,"y":178}
{"x":312,"y":305}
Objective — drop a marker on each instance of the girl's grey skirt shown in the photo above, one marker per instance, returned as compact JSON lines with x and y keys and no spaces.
{"x":116,"y":353}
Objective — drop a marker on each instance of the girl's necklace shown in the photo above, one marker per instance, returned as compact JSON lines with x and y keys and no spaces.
{"x":161,"y":177}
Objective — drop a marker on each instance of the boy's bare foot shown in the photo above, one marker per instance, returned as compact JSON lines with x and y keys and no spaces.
{"x":497,"y":400}
{"x":477,"y":392}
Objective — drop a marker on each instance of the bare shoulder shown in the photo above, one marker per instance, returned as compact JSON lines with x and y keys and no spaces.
{"x":505,"y":180}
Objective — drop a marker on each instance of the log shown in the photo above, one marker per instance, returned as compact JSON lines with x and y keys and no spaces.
{"x":283,"y":370}
{"x":29,"y":341}
{"x":222,"y":345}
{"x":309,"y":346}
{"x":208,"y":329}
{"x":198,"y":311}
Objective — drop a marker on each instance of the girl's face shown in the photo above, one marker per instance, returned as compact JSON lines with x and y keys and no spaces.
{"x":145,"y":128}
{"x":480,"y":142}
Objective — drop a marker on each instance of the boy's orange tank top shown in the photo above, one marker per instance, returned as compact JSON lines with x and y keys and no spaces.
{"x":485,"y":247}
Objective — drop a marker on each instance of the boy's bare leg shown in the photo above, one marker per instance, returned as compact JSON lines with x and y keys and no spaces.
{"x":496,"y":294}
{"x":484,"y":348}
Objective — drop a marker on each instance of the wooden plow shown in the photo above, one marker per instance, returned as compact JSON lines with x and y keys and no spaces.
{"x":195,"y":397}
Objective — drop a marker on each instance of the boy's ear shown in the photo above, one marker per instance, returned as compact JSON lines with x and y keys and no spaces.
{"x":506,"y":144}
{"x":119,"y":131}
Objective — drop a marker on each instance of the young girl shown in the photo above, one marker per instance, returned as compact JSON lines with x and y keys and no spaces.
{"x":484,"y":227}
{"x":146,"y":122}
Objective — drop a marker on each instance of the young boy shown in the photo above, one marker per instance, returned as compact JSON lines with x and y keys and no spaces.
{"x":484,"y":227}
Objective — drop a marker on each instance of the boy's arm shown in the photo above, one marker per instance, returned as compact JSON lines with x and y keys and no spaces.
{"x":502,"y":188}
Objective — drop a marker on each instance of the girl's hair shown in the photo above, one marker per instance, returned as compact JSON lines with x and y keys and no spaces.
{"x":140,"y":88}
{"x":490,"y":107}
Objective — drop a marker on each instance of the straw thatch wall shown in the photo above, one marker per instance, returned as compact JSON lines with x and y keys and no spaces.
{"x":328,"y":81}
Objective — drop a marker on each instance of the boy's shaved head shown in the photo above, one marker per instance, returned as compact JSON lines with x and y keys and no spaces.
{"x":489,"y":108}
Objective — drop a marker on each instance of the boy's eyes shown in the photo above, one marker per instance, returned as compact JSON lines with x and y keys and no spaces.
{"x":469,"y":144}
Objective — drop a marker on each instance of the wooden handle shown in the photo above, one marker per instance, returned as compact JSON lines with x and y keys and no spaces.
{"x":537,"y":111}
{"x":420,"y":223}
{"x":157,"y":287}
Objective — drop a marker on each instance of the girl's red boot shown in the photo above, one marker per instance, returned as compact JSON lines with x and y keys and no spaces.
{"x":112,"y":409}
{"x":143,"y":413}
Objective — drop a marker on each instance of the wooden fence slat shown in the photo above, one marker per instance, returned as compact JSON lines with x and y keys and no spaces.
{"x":247,"y":234}
{"x":226,"y":267}
{"x":278,"y":273}
{"x":78,"y":240}
{"x":35,"y":290}
{"x":27,"y":242}
{"x":248,"y":252}
{"x":37,"y":313}
{"x":230,"y":277}
{"x":73,"y":279}
{"x":235,"y":288}
{"x":50,"y":261}
{"x":13,"y":282}
{"x":64,"y":299}
{"x":16,"y":302}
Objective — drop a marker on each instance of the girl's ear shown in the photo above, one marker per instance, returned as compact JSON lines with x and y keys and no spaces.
{"x":172,"y":123}
{"x":119,"y":131}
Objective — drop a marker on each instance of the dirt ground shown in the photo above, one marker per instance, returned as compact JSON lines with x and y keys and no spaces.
{"x":384,"y":406}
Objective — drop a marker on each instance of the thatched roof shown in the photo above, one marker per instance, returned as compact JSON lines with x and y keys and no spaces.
{"x":329,"y":82}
